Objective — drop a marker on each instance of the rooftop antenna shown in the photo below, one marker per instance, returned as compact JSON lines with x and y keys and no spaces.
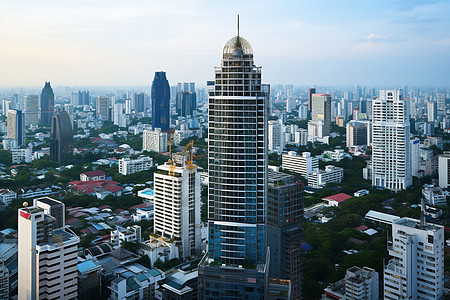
{"x":238,"y":25}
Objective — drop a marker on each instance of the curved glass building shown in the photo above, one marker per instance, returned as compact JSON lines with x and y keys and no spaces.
{"x":160,"y":102}
{"x":234,"y":267}
{"x":47,"y":104}
{"x":61,"y":138}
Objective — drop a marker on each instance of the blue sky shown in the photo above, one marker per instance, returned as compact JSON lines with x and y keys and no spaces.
{"x":332,"y":43}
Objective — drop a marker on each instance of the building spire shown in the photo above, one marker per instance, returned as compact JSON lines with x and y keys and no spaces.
{"x":238,"y":25}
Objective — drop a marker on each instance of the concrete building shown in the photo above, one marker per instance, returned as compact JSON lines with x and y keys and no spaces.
{"x":416,"y":269}
{"x":357,"y":133}
{"x":47,"y":254}
{"x":4,"y":280}
{"x":320,"y":178}
{"x":16,"y":127}
{"x":284,"y":217}
{"x":154,"y":140}
{"x":93,"y":175}
{"x":304,"y":164}
{"x":21,"y":155}
{"x":414,"y":146}
{"x":432,"y":111}
{"x":130,"y":234}
{"x":276,"y":137}
{"x":119,"y":119}
{"x":433,"y":141}
{"x":390,"y":141}
{"x":129,"y":166}
{"x":303,"y":112}
{"x":444,"y":170}
{"x":435,"y":196}
{"x":31,"y":105}
{"x":102,"y":110}
{"x":179,"y":285}
{"x":315,"y":130}
{"x":361,"y":284}
{"x":89,"y":279}
{"x":321,"y":111}
{"x":6,"y":196}
{"x":177,"y":203}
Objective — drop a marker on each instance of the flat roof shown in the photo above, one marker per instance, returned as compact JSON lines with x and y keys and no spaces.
{"x":381,"y":217}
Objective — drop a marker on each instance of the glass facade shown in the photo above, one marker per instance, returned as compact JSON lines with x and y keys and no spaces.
{"x":160,"y":102}
{"x":47,"y":104}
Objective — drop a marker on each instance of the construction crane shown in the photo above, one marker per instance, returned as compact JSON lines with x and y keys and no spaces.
{"x":189,"y":162}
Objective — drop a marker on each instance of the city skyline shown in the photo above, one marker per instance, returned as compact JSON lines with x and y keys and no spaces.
{"x":105,"y":42}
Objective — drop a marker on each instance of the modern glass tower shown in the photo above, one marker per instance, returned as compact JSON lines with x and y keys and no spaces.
{"x":160,"y":102}
{"x":47,"y":104}
{"x":61,"y":138}
{"x":235,"y":265}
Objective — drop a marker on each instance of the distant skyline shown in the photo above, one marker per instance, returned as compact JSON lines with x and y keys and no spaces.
{"x":323,"y":43}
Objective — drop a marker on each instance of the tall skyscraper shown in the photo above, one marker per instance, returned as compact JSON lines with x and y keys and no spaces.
{"x":235,"y":265}
{"x":48,"y":252}
{"x":102,"y":109}
{"x":390,"y":141}
{"x":186,"y":99}
{"x":441,"y":104}
{"x":61,"y":138}
{"x":47,"y":104}
{"x":16,"y":126}
{"x":80,"y":98}
{"x":284,"y":217}
{"x":321,"y":111}
{"x":311,"y":91}
{"x":432,"y":111}
{"x":177,"y":203}
{"x":31,"y":110}
{"x":139,"y":99}
{"x":160,"y":102}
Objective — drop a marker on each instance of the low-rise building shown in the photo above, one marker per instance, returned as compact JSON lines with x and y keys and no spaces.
{"x":336,"y":200}
{"x":145,"y":213}
{"x":320,"y":178}
{"x":21,"y":155}
{"x":179,"y":285}
{"x":89,"y":279}
{"x":303,"y":164}
{"x":6,"y":196}
{"x":129,"y":166}
{"x":335,"y":155}
{"x":435,"y":196}
{"x":93,"y":175}
{"x":130,"y":234}
{"x":98,"y":188}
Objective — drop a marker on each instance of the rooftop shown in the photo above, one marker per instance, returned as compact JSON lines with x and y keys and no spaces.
{"x":338,"y":197}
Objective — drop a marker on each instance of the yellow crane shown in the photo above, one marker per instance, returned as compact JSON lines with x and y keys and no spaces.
{"x":189,"y":162}
{"x":172,"y":166}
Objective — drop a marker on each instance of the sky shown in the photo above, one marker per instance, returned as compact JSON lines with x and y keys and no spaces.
{"x":383,"y":43}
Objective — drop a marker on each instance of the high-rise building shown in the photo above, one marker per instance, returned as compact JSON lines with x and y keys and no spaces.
{"x":160,"y":102}
{"x":47,"y":104}
{"x":390,"y":141}
{"x":414,"y":146}
{"x":154,"y":140}
{"x":102,"y":109}
{"x":6,"y":106}
{"x":444,"y":170}
{"x":129,"y":166}
{"x":128,"y":106}
{"x":31,"y":110}
{"x":4,"y":280}
{"x":80,"y":98}
{"x":61,"y":138}
{"x":177,"y":203}
{"x":16,"y":127}
{"x":321,"y":111}
{"x":284,"y":217}
{"x":311,"y":91}
{"x":303,"y":112}
{"x":186,"y":99}
{"x":276,"y":137}
{"x":432,"y":111}
{"x":48,"y":252}
{"x":416,"y":270}
{"x":139,"y":102}
{"x":303,"y":164}
{"x":236,"y":264}
{"x":441,"y":104}
{"x":357,"y":133}
{"x":119,"y":119}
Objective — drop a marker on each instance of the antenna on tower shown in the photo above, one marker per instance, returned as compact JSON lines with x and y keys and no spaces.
{"x":238,"y":25}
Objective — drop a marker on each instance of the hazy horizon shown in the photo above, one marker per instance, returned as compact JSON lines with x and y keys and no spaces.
{"x":333,"y":44}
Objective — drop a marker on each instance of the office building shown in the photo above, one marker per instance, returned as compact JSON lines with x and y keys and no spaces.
{"x":311,"y":91}
{"x":186,"y":99}
{"x":31,"y":105}
{"x":390,"y":141}
{"x":432,"y":111}
{"x":47,"y":254}
{"x":303,"y":112}
{"x":102,"y":109}
{"x":4,"y":280}
{"x":237,"y":190}
{"x":416,"y":269}
{"x":61,"y":138}
{"x":414,"y":146}
{"x":119,"y":119}
{"x":276,"y":137}
{"x":435,"y":196}
{"x":47,"y":104}
{"x":357,"y":133}
{"x":315,"y":130}
{"x":139,"y":102}
{"x":177,"y":203}
{"x":302,"y":165}
{"x":321,"y":111}
{"x":6,"y":106}
{"x":160,"y":102}
{"x":154,"y":140}
{"x":441,"y":104}
{"x":320,"y":178}
{"x":80,"y":98}
{"x":15,"y":123}
{"x":129,"y":166}
{"x":444,"y":170}
{"x":284,"y":217}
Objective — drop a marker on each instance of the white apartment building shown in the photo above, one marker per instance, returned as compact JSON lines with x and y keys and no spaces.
{"x":435,"y":196}
{"x":21,"y":155}
{"x":276,"y":137}
{"x":6,"y":196}
{"x":415,"y":155}
{"x":444,"y":168}
{"x":303,"y":164}
{"x":315,"y":130}
{"x":303,"y":112}
{"x":177,"y":203}
{"x":154,"y":140}
{"x":47,"y":255}
{"x":320,"y":178}
{"x":130,"y":234}
{"x":361,"y":284}
{"x":416,"y":270}
{"x":301,"y":137}
{"x":129,"y":166}
{"x":390,"y":141}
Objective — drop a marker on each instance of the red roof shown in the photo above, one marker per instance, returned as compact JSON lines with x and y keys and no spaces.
{"x":104,"y":207}
{"x":362,"y":228}
{"x":338,"y":197}
{"x":72,"y":220}
{"x":90,"y":186}
{"x":94,"y":173}
{"x":142,"y":205}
